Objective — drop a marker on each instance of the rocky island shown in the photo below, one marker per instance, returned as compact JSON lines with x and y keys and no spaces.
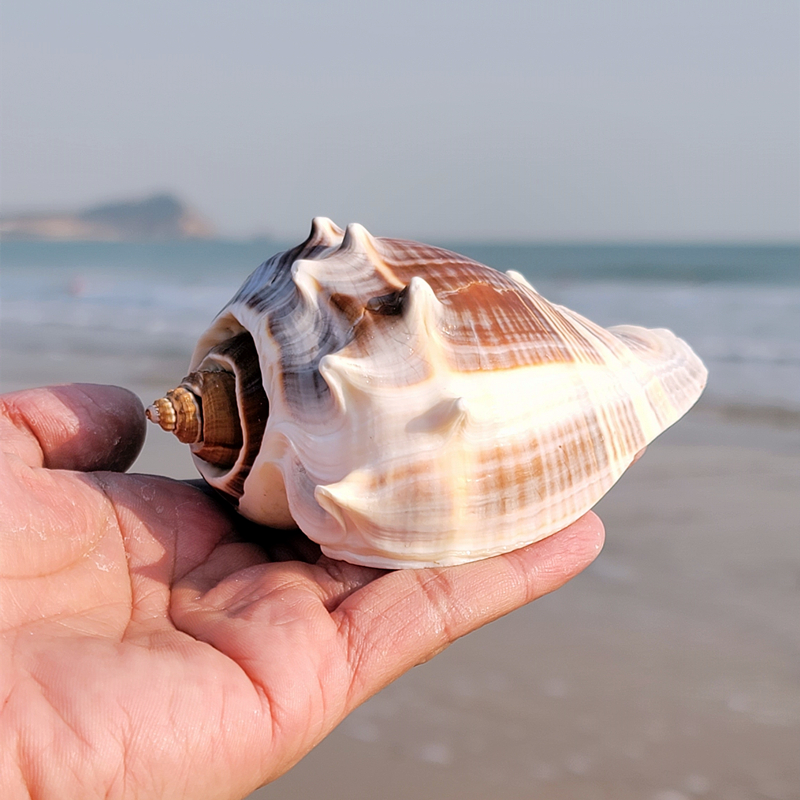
{"x":159,"y":217}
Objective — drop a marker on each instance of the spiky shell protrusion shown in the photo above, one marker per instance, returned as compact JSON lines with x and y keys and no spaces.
{"x":425,"y":409}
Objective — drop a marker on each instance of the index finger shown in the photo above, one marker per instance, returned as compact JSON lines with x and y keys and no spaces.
{"x":79,"y":426}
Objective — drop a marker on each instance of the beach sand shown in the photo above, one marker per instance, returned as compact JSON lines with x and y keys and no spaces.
{"x":670,"y":669}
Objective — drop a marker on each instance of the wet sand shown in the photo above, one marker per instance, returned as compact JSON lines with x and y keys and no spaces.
{"x":670,"y":669}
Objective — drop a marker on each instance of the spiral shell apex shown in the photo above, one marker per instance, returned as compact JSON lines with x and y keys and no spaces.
{"x":408,"y":407}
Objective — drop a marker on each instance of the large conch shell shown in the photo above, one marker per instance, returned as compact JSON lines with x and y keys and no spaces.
{"x":408,"y":407}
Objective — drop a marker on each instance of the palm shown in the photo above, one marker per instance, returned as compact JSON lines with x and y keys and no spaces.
{"x":147,"y":649}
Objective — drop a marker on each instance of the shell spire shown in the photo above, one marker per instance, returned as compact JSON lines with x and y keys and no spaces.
{"x":179,"y":412}
{"x":203,"y":412}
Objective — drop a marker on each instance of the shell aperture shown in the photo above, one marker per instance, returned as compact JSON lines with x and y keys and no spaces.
{"x":407,"y":407}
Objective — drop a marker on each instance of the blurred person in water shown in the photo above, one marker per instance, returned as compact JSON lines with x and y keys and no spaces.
{"x":149,"y":650}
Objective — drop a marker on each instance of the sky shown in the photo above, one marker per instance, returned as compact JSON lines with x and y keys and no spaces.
{"x":664,"y":120}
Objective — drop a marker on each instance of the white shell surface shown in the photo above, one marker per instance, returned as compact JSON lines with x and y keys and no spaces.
{"x":427,"y":410}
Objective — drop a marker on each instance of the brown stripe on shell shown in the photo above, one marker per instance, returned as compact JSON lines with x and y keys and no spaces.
{"x":523,"y":474}
{"x":557,"y":467}
{"x":667,"y":386}
{"x":509,"y":477}
{"x":593,"y":430}
{"x":490,"y":321}
{"x":489,"y":327}
{"x":620,"y":418}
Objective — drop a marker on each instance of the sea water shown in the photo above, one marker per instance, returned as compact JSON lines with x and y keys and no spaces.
{"x":738,"y":306}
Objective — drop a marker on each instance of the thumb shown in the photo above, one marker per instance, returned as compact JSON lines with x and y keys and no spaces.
{"x":80,"y":426}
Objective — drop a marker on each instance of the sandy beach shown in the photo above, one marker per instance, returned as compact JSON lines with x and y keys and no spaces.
{"x":668,"y":670}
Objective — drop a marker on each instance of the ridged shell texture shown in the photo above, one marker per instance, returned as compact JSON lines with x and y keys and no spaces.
{"x":427,"y":410}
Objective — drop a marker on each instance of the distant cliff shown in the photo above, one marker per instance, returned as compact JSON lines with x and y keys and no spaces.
{"x":157,"y":218}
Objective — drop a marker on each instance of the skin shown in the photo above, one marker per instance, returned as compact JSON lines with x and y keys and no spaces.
{"x":148,"y":650}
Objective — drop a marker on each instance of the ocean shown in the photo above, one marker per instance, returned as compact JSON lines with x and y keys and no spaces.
{"x":738,"y":306}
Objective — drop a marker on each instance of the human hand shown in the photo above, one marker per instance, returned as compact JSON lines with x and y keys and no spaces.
{"x":147,"y":650}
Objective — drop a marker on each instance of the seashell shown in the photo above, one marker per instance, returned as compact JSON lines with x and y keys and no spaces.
{"x":408,"y":407}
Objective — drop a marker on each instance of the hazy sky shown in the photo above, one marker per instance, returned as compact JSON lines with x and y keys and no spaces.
{"x":589,"y":119}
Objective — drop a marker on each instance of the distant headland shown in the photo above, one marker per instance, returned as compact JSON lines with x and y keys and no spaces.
{"x":160,"y":217}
